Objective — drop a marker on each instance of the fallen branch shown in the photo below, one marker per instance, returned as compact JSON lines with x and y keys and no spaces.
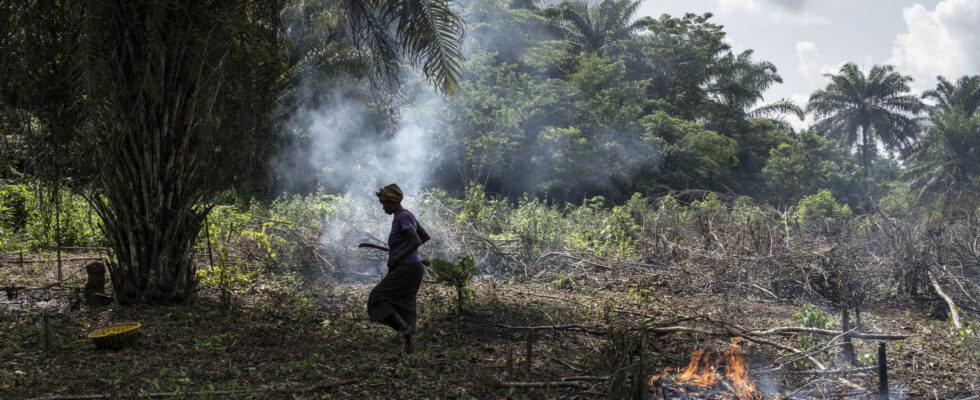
{"x":949,"y":302}
{"x":545,"y":384}
{"x":555,"y":328}
{"x":833,"y":371}
{"x":827,"y":332}
{"x":12,"y":262}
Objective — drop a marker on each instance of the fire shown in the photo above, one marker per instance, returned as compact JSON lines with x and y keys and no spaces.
{"x":737,"y":371}
{"x":705,"y":370}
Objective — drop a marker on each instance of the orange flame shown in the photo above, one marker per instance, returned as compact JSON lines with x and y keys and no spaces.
{"x":703,"y":371}
{"x":736,"y":370}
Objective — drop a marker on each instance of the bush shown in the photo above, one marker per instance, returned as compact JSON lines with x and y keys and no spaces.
{"x":26,"y":222}
{"x":821,"y":212}
{"x":811,"y":316}
{"x":458,"y":276}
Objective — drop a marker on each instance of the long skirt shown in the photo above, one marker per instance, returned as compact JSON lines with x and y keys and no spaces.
{"x":396,"y":294}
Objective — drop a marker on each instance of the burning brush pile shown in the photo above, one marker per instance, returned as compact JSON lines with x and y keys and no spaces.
{"x":722,"y":375}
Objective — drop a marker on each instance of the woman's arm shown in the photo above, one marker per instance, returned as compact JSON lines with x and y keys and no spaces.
{"x":422,"y":234}
{"x":413,"y":244}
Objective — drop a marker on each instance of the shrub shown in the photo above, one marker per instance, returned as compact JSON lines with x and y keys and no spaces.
{"x":458,"y":276}
{"x":811,"y":316}
{"x":821,"y":211}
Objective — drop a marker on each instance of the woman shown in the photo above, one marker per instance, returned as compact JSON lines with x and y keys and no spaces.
{"x":392,"y":301}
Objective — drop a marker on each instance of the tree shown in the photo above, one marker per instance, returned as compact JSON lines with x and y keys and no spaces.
{"x":965,"y":93}
{"x":589,"y":29}
{"x":805,"y":164}
{"x":741,"y":84}
{"x":949,"y":152}
{"x":870,"y":109}
{"x":177,"y":96}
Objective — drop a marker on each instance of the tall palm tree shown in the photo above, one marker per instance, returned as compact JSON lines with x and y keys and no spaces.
{"x":588,"y":29}
{"x":949,"y":152}
{"x":864,"y":110}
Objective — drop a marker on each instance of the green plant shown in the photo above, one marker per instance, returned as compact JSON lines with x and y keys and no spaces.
{"x":458,"y":276}
{"x":821,"y":211}
{"x":811,"y":316}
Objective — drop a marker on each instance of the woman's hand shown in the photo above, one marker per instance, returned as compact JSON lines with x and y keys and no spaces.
{"x":392,"y":262}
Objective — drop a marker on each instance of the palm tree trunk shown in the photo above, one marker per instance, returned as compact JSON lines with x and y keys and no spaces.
{"x":865,"y":153}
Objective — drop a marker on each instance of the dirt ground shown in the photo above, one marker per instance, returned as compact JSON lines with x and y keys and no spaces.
{"x":308,"y":338}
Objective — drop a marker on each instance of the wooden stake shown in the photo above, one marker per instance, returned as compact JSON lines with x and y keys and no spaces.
{"x":527,"y":366}
{"x":510,"y":361}
{"x":882,"y":372}
{"x":849,"y":354}
{"x":57,"y":226}
{"x":47,"y":331}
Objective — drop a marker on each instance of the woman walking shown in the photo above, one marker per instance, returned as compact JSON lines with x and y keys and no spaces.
{"x":392,"y":301}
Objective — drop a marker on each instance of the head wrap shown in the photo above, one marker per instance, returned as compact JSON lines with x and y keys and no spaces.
{"x":391,"y":193}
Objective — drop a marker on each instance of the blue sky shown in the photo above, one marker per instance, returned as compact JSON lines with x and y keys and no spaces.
{"x":808,"y":38}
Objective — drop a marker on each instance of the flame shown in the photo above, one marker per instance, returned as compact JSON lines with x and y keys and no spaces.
{"x":736,"y":370}
{"x":704,"y":370}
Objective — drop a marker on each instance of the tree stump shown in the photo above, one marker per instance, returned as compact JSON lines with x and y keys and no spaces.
{"x":95,"y":285}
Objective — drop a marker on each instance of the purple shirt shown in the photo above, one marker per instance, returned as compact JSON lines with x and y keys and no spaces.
{"x":398,"y":240}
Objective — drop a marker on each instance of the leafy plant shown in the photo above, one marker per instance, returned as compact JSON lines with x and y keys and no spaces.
{"x":458,"y":276}
{"x":822,"y":212}
{"x":811,"y":316}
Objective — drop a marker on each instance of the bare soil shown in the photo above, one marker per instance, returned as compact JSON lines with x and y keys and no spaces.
{"x":309,"y":338}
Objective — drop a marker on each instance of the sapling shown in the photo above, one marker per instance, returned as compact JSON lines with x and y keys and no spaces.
{"x":458,"y":276}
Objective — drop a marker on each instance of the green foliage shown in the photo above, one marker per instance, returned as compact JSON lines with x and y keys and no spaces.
{"x":537,"y":225}
{"x":604,"y":106}
{"x":458,"y":276}
{"x":27,"y":222}
{"x":811,"y":316}
{"x":947,"y":159}
{"x":805,"y":164}
{"x":821,"y":211}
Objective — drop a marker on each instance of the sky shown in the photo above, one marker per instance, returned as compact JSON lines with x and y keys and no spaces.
{"x":806,"y":39}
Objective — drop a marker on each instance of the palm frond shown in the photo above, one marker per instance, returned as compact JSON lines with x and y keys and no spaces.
{"x":430,"y":34}
{"x":778,"y":108}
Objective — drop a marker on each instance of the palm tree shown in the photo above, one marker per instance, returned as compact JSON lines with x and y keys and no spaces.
{"x":870,"y":109}
{"x":965,"y":93}
{"x":367,"y":37}
{"x":949,"y":152}
{"x":588,"y":29}
{"x":742,"y":85}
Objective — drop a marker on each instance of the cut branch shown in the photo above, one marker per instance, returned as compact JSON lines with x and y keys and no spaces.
{"x":949,"y":301}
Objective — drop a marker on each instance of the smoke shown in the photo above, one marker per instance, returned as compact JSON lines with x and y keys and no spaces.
{"x":344,"y":146}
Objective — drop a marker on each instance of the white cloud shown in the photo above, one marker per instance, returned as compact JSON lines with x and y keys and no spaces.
{"x":944,"y":41}
{"x":808,"y":63}
{"x":806,"y":57}
{"x":784,"y":12}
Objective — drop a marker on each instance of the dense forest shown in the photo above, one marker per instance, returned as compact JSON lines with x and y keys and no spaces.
{"x":619,"y":184}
